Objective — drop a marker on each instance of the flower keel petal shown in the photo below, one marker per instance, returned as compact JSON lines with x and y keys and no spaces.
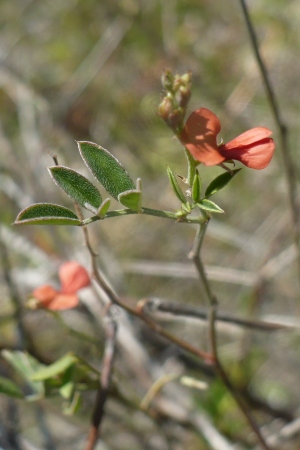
{"x":257,"y":156}
{"x":45,"y":294}
{"x":63,"y":301}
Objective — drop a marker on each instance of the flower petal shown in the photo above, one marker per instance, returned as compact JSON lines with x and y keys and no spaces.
{"x":254,"y":153}
{"x":73,"y":277}
{"x":45,"y":294}
{"x":199,"y":136}
{"x":249,"y":137}
{"x":63,"y":301}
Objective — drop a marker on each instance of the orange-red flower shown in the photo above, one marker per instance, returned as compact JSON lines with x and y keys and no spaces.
{"x":72,"y":277}
{"x":254,"y":148}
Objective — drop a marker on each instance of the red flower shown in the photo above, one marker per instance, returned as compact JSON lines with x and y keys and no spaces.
{"x":254,"y":148}
{"x":73,"y":277}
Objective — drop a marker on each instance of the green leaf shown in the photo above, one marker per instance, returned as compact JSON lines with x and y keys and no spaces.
{"x":220,"y":182}
{"x":196,"y":187}
{"x":9,"y":388}
{"x":131,"y":199}
{"x":73,"y":406}
{"x":175,"y":185}
{"x":77,"y":187}
{"x":57,"y":368}
{"x":68,"y":382}
{"x":26,"y":365}
{"x":47,"y":214}
{"x":67,"y":390}
{"x":186,"y":207}
{"x":191,"y":167}
{"x":103,"y":208}
{"x":210,"y":206}
{"x":105,"y":168}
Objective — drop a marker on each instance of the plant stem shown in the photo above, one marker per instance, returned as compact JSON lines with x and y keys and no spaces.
{"x":185,"y":310}
{"x":195,"y":256}
{"x":136,"y":311}
{"x":148,"y":212}
{"x":212,"y":334}
{"x":282,"y":130}
{"x":108,"y":358}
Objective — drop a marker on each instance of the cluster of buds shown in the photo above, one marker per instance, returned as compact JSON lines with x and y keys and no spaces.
{"x":173,"y":106}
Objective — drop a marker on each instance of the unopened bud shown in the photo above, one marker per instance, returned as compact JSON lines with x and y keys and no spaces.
{"x":166,"y":108}
{"x":177,"y":83}
{"x":182,"y":81}
{"x":186,"y":80}
{"x":183,"y":96}
{"x":167,"y":80}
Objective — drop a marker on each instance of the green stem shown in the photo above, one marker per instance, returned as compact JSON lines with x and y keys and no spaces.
{"x":195,"y":256}
{"x":148,"y":212}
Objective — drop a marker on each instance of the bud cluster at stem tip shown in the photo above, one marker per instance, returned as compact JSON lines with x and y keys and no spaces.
{"x":177,"y":95}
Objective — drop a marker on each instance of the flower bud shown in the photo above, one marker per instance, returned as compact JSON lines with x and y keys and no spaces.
{"x":166,"y":108}
{"x":167,"y":80}
{"x":186,"y":80}
{"x":183,"y":96}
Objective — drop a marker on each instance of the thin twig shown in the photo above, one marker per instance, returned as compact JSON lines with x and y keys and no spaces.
{"x":102,"y":393}
{"x":195,"y":256}
{"x":288,"y":433}
{"x":138,"y":311}
{"x":24,"y":339}
{"x":282,"y":130}
{"x":156,"y":304}
{"x":212,"y":315}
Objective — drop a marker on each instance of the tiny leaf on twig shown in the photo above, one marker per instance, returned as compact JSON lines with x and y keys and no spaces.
{"x":105,"y":168}
{"x":191,"y":167}
{"x":9,"y":388}
{"x":58,"y":367}
{"x":196,"y":187}
{"x":47,"y":214}
{"x":175,"y":185}
{"x":103,"y":208}
{"x":25,"y":365}
{"x":210,"y":206}
{"x":132,"y":199}
{"x":221,"y":181}
{"x":77,"y":187}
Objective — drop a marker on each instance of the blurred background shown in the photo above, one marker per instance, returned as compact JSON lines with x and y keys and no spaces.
{"x":90,"y":70}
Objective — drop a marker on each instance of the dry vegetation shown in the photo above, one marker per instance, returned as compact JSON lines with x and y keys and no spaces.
{"x":90,"y":70}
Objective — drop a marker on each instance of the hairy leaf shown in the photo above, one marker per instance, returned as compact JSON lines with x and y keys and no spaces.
{"x":104,"y":207}
{"x":131,"y":199}
{"x":47,"y":214}
{"x":77,"y":187}
{"x":105,"y":168}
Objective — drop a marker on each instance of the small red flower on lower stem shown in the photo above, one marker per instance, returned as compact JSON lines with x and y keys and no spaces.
{"x":73,"y":277}
{"x":254,"y":148}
